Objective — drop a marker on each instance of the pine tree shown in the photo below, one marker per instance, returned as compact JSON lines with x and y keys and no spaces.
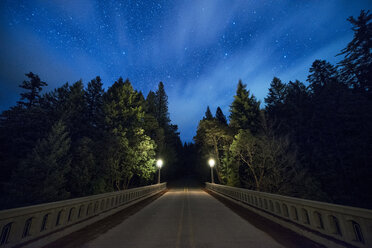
{"x":42,"y":175}
{"x":82,"y":171}
{"x":162,"y":114}
{"x":208,"y":114}
{"x":94,"y":101}
{"x":33,"y":86}
{"x":274,"y":100}
{"x":151,"y":124}
{"x":322,"y":73}
{"x":74,"y":111}
{"x":245,"y":110}
{"x":151,"y":103}
{"x":220,"y":116}
{"x":356,"y":67}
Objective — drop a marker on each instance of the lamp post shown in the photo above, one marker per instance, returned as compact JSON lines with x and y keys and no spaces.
{"x":211,"y":163}
{"x":159,"y":164}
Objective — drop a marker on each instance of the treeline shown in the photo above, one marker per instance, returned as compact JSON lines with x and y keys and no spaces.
{"x":76,"y":141}
{"x":311,"y":140}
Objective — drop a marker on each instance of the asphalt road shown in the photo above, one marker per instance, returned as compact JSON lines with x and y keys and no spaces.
{"x":184,"y":217}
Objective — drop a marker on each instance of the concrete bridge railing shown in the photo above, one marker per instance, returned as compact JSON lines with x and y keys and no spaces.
{"x":328,"y":224}
{"x":38,"y":225}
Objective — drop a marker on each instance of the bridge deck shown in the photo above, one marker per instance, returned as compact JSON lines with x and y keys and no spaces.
{"x":184,"y":217}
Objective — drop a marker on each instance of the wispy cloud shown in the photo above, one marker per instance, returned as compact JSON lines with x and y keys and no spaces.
{"x":254,"y":65}
{"x":301,"y":69}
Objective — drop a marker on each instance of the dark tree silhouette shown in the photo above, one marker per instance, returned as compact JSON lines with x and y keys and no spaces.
{"x":220,"y":116}
{"x":208,"y":114}
{"x":33,"y":86}
{"x":356,"y":67}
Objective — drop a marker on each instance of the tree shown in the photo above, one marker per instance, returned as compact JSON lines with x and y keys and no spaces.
{"x":162,"y":114}
{"x":322,"y":73}
{"x":131,"y":151}
{"x":81,"y":176}
{"x":41,"y":177}
{"x":74,"y":111}
{"x":20,"y":128}
{"x":151,"y":124}
{"x":143,"y":155}
{"x":296,"y":111}
{"x":214,"y":138}
{"x":94,"y":100}
{"x":208,"y":114}
{"x":34,"y":86}
{"x":170,"y":149}
{"x":356,"y":67}
{"x":275,"y":99}
{"x":220,"y":116}
{"x":245,"y":110}
{"x":151,"y":104}
{"x":270,"y":164}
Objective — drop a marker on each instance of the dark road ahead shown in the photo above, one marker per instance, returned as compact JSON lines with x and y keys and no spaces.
{"x":184,"y":217}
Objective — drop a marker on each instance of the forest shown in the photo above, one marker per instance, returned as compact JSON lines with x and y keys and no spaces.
{"x":309,"y":139}
{"x":76,"y":141}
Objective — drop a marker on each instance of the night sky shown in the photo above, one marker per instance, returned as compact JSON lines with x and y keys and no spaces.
{"x":199,"y":49}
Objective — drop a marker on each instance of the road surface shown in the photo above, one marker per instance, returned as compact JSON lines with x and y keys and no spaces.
{"x":184,"y":217}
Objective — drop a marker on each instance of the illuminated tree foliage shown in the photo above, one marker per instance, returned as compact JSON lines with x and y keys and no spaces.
{"x":76,"y":141}
{"x":124,"y":119}
{"x":213,"y":138}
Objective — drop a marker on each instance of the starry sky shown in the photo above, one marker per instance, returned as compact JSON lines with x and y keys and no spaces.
{"x":198,"y":48}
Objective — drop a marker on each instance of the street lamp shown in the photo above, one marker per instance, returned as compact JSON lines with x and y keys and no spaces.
{"x":159,"y":164}
{"x":211,"y":163}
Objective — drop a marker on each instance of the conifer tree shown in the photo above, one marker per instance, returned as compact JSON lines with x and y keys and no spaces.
{"x":275,"y":99}
{"x":151,"y":124}
{"x":220,"y":116}
{"x":33,"y":86}
{"x":41,"y":177}
{"x":151,"y":103}
{"x":162,"y":114}
{"x":356,"y":67}
{"x":208,"y":114}
{"x":322,"y":73}
{"x":81,"y":177}
{"x":94,"y":100}
{"x":245,"y":110}
{"x":74,"y":111}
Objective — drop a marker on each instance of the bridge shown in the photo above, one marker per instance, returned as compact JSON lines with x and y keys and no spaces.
{"x":186,"y":215}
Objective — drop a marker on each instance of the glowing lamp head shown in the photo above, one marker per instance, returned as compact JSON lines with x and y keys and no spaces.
{"x":159,"y":163}
{"x":211,"y":162}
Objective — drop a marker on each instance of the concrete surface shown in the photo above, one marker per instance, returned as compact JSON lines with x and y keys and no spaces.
{"x":184,"y":217}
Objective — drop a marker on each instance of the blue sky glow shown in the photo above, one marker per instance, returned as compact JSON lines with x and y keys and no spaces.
{"x":199,"y":49}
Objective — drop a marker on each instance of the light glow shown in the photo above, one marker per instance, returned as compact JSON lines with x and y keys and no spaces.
{"x":211,"y":162}
{"x":159,"y":163}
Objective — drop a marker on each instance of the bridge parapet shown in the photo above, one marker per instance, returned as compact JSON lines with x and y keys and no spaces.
{"x":38,"y":225}
{"x":329,"y":224}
